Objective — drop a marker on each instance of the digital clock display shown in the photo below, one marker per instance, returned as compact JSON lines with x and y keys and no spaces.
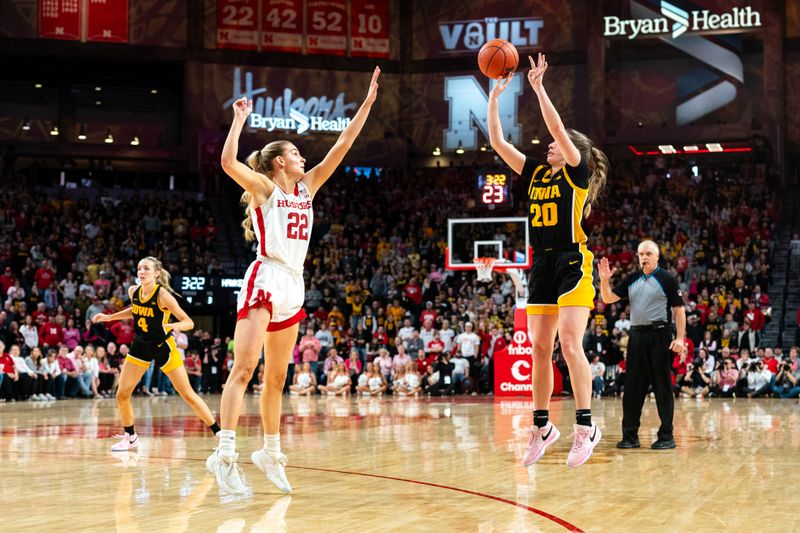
{"x":493,"y":189}
{"x":193,"y":283}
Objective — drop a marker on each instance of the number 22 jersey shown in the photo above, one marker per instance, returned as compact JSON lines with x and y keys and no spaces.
{"x":283,"y":226}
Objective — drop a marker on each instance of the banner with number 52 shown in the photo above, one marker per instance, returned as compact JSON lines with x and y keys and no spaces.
{"x":282,"y":25}
{"x":369,"y":28}
{"x":326,"y":27}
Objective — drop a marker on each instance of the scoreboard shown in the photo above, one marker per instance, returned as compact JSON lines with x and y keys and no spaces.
{"x":207,"y":291}
{"x":493,"y":189}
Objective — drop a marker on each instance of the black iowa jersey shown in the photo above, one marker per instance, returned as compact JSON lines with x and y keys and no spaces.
{"x":148,"y":317}
{"x":555,"y":204}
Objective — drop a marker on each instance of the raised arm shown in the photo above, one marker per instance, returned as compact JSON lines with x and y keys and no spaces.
{"x":554,"y":125}
{"x":507,"y":151}
{"x":317,"y":176}
{"x":250,"y":180}
{"x":605,"y":278}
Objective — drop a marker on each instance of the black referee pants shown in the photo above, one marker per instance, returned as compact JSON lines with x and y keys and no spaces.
{"x":649,"y":362}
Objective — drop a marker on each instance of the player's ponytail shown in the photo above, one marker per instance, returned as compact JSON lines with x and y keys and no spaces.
{"x":597,"y":162}
{"x":261,"y":162}
{"x":162,"y":275}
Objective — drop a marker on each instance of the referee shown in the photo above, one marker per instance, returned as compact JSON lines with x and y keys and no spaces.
{"x":651,"y":292}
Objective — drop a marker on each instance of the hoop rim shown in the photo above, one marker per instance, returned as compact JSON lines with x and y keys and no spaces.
{"x":501,"y":265}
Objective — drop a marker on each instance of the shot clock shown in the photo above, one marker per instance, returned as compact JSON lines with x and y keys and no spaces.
{"x":493,"y":189}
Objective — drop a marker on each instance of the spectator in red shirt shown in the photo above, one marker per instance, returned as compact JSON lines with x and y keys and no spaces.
{"x":194,"y":367}
{"x":41,"y":311}
{"x":413,"y":291}
{"x":380,"y":338}
{"x":755,"y":317}
{"x":50,"y":333}
{"x":44,"y":276}
{"x":211,"y":230}
{"x":123,"y":331}
{"x":6,"y":280}
{"x":424,"y":362}
{"x":429,"y":313}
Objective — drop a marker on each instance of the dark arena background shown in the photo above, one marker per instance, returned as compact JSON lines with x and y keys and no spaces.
{"x":407,"y":403}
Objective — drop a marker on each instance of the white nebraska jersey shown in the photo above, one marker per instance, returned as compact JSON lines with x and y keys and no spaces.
{"x":283,"y":226}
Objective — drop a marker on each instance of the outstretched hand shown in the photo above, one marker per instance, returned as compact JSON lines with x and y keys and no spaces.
{"x":242,"y":108}
{"x":500,"y":86}
{"x":536,"y":73}
{"x":604,"y":270}
{"x":372,"y":93}
{"x":99,"y":317}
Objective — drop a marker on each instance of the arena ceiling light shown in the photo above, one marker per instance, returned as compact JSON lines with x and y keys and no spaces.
{"x":82,"y":133}
{"x":54,"y":131}
{"x":98,"y":88}
{"x":483,"y":147}
{"x":535,"y":140}
{"x":135,"y":140}
{"x":26,"y":123}
{"x":437,"y":151}
{"x":153,"y":91}
{"x":109,"y":138}
{"x":460,"y":148}
{"x":690,"y":149}
{"x":37,"y":85}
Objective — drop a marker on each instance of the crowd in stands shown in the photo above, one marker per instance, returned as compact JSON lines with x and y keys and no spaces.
{"x":385,"y":317}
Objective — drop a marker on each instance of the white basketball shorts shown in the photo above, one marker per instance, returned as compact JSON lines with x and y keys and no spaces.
{"x":275,"y":286}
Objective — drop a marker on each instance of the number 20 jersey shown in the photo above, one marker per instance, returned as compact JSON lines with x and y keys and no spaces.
{"x":283,"y":226}
{"x":555,"y":204}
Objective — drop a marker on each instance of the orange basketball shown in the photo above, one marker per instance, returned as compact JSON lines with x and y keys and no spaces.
{"x":498,"y":58}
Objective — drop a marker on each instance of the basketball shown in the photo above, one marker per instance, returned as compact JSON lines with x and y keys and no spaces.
{"x":498,"y":58}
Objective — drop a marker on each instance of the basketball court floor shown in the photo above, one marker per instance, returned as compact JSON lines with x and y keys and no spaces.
{"x":401,"y":465}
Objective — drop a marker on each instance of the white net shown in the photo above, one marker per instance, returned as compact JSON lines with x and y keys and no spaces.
{"x":484,"y":266}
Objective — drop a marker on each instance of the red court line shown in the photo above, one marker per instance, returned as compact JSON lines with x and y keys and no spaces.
{"x":553,"y":518}
{"x":544,"y":514}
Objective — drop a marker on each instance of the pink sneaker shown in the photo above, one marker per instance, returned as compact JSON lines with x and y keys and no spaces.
{"x":126,"y":442}
{"x":539,"y":441}
{"x":586,"y":438}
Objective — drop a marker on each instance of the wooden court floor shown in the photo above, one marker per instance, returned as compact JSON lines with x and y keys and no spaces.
{"x":401,"y":465}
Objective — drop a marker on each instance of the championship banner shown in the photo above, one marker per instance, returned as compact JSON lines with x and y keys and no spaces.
{"x":369,"y":28}
{"x":107,"y":21}
{"x":60,"y":19}
{"x":282,"y":25}
{"x":326,"y":27}
{"x":237,"y":24}
{"x":513,"y":366}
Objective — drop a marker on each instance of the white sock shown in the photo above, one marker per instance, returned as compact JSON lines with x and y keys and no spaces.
{"x":272,"y":443}
{"x":227,"y":442}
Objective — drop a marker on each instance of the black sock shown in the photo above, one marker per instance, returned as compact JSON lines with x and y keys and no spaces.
{"x":129,"y":430}
{"x":214,"y":428}
{"x":583,"y":417}
{"x":540,"y":417}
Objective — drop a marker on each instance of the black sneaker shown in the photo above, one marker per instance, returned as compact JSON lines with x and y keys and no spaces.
{"x":663,"y":444}
{"x":627,"y":443}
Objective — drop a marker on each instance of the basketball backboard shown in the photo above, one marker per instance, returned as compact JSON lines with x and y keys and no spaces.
{"x":502,"y":238}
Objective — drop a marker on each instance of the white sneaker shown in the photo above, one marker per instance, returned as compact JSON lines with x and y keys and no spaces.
{"x":126,"y":442}
{"x":49,"y":396}
{"x":272,"y":464}
{"x":37,"y":398}
{"x":227,"y":473}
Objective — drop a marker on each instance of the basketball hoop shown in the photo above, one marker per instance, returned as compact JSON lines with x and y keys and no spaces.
{"x":484,"y":267}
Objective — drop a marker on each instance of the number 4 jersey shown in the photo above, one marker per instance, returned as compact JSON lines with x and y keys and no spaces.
{"x":283,"y":226}
{"x":555,"y":204}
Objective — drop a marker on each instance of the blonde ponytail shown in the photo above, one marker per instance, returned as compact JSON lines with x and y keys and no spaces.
{"x":596,"y":161}
{"x":163,"y":277}
{"x":261,"y":162}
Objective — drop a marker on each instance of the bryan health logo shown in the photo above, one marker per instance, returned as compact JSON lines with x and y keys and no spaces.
{"x":702,"y":90}
{"x":287,"y":112}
